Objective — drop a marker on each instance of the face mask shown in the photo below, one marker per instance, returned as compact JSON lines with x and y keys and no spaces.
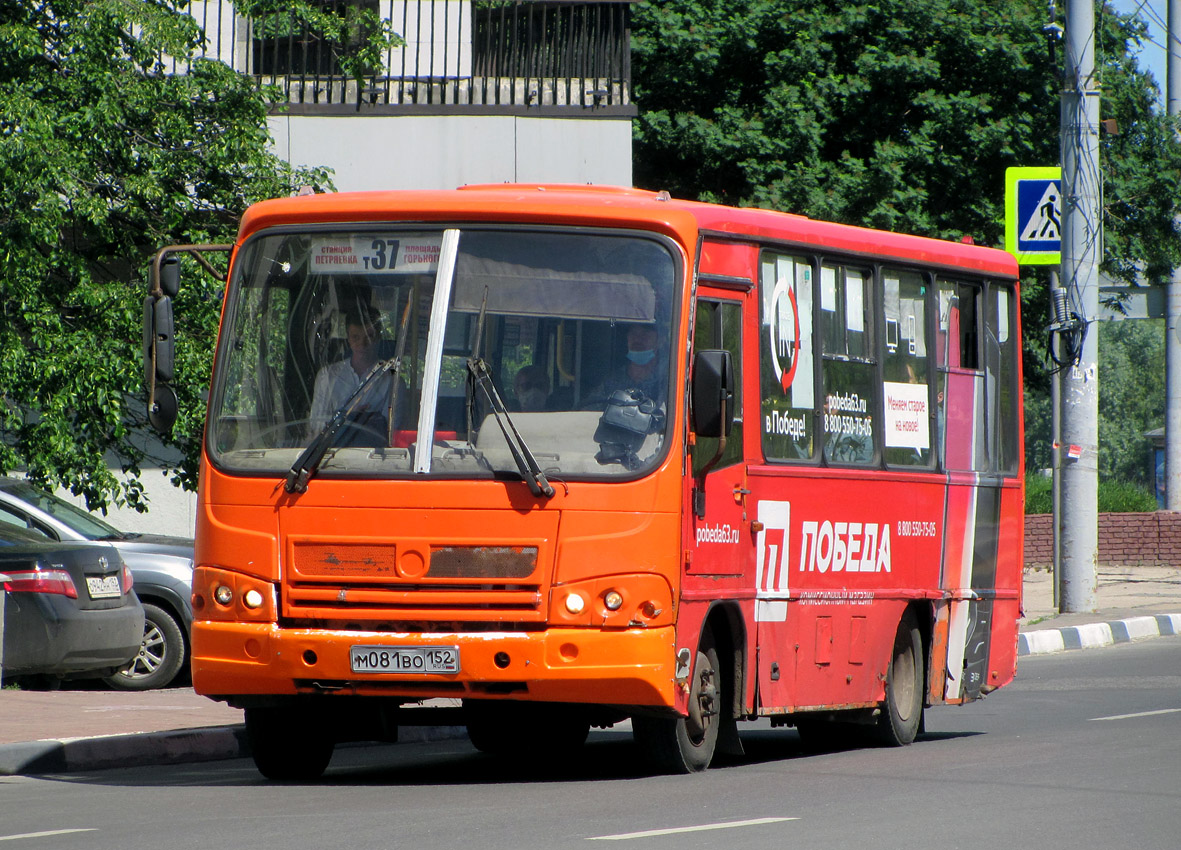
{"x":641,"y":358}
{"x":532,"y":399}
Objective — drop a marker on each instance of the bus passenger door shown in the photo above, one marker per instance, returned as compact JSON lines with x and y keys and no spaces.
{"x":718,"y":534}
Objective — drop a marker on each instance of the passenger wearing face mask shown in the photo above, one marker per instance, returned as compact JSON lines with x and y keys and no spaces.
{"x":644,"y":370}
{"x":531,"y":387}
{"x":633,"y":402}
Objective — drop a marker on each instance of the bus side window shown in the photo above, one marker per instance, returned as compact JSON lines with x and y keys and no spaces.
{"x":906,"y":388}
{"x":849,"y":378}
{"x":1001,"y":365}
{"x":718,"y":324}
{"x":787,"y":373}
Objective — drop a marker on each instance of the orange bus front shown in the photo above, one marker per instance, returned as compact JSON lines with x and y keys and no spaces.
{"x":441,"y":462}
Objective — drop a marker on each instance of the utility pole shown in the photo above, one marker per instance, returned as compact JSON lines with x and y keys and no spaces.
{"x":1081,"y":252}
{"x":1173,"y":293}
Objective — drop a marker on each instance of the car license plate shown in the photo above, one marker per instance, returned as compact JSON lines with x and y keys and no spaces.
{"x":104,"y":587}
{"x":405,"y":659}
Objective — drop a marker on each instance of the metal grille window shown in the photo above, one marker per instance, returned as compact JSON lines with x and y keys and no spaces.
{"x":284,"y":46}
{"x":453,"y":54}
{"x":570,"y":52}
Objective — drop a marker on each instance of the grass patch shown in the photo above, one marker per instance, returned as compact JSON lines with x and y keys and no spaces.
{"x":1115,"y":496}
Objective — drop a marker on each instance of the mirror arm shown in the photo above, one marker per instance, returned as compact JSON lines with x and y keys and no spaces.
{"x":699,"y":484}
{"x":194,"y":251}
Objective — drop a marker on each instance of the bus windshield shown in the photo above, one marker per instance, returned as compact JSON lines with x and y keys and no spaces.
{"x":570,"y":328}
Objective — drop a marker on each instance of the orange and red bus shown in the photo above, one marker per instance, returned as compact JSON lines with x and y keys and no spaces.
{"x":539,"y":458}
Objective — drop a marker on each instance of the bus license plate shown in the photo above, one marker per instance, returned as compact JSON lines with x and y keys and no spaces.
{"x":405,"y":659}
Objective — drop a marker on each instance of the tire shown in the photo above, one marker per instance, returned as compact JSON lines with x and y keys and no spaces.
{"x":902,"y":709}
{"x":686,"y":744}
{"x":492,"y":728}
{"x":524,"y":730}
{"x":160,"y":657}
{"x":288,"y":745}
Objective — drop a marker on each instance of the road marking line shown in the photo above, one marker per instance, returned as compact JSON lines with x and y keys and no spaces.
{"x":678,"y":830}
{"x":1140,"y":714}
{"x":44,"y":834}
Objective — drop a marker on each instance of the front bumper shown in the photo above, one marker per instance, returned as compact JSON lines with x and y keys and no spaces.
{"x":633,"y":667}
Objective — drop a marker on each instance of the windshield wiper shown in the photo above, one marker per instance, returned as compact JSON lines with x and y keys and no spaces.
{"x":309,"y":459}
{"x":481,"y":376}
{"x":530,"y":470}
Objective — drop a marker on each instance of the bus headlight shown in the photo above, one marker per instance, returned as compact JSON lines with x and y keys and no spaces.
{"x":619,"y":601}
{"x":229,"y":596}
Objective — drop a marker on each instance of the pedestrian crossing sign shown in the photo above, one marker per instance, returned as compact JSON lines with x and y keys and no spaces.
{"x":1033,"y":215}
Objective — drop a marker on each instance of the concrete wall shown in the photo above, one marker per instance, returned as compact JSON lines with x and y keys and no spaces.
{"x":445,"y":151}
{"x":1127,"y":539}
{"x":171,"y":509}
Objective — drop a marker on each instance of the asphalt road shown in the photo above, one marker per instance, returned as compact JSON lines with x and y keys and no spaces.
{"x":1083,"y":751}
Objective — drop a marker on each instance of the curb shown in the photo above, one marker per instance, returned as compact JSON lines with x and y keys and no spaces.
{"x":1046,"y":641}
{"x":144,"y":748}
{"x":179,"y":746}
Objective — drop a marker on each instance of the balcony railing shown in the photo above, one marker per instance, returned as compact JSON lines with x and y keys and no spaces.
{"x":455,"y":55}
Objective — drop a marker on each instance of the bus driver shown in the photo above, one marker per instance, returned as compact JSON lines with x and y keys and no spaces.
{"x":336,"y":381}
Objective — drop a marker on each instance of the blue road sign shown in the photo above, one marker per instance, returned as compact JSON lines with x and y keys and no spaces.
{"x":1033,"y":215}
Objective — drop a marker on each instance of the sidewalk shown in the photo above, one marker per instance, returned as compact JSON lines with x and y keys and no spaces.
{"x":1133,"y":603}
{"x":73,"y":730}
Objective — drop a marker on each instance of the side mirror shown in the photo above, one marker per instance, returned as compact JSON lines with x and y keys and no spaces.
{"x":163,"y":410}
{"x":158,"y":338}
{"x":170,"y":275}
{"x":159,"y":361}
{"x":159,"y":343}
{"x":713,"y":393}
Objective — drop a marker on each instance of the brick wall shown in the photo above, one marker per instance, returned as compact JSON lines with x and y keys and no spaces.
{"x":1128,"y":539}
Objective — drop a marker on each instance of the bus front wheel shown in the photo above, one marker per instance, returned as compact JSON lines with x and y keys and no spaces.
{"x":902,"y":710}
{"x":287,"y":745}
{"x":686,"y":744}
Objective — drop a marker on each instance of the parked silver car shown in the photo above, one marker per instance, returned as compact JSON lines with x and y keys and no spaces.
{"x":162,"y":567}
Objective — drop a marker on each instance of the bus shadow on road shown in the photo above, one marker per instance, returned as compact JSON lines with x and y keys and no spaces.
{"x":772,"y":745}
{"x":609,"y":755}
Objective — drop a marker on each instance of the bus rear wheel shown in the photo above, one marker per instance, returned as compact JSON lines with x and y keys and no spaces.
{"x":902,"y":710}
{"x":287,"y":745}
{"x":686,"y":744}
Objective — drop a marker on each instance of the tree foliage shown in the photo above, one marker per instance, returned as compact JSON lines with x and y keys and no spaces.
{"x":1141,"y":161}
{"x":104,"y":157}
{"x":1131,"y":402}
{"x":901,"y":115}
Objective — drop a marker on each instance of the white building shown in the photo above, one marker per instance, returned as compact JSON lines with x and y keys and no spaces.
{"x":481,"y":91}
{"x":487,"y":91}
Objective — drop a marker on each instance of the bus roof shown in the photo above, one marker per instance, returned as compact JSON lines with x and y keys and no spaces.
{"x":593,"y":205}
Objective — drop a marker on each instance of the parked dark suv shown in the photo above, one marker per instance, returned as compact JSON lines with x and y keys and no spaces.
{"x":162,"y":567}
